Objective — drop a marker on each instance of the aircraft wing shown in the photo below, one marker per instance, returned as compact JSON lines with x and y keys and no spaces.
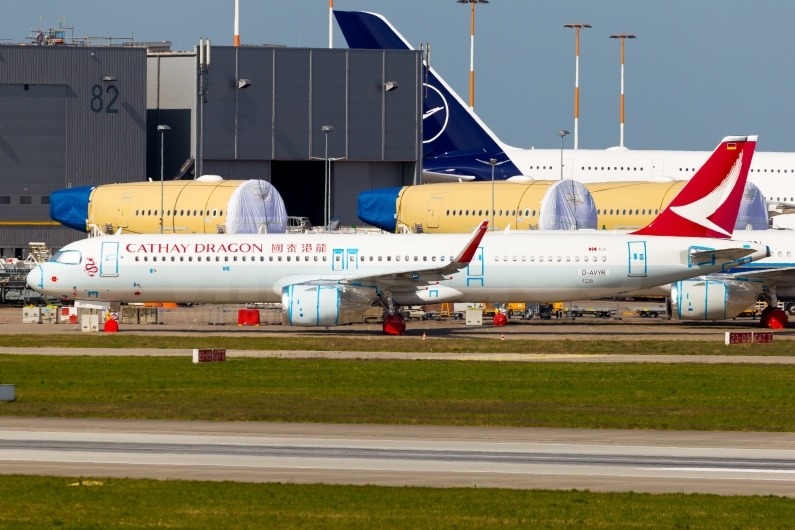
{"x":773,"y":276}
{"x":409,"y":275}
{"x":404,"y":275}
{"x":727,"y":254}
{"x":435,"y":177}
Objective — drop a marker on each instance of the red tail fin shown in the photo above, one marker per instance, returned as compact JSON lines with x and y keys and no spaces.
{"x":709,"y":203}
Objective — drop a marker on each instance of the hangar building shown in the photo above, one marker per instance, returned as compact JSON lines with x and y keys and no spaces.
{"x":69,"y":116}
{"x":75,"y":116}
{"x":268,"y":126}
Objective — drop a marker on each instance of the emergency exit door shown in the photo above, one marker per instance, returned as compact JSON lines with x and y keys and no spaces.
{"x":109,"y":259}
{"x":434,"y":210}
{"x":637,"y":258}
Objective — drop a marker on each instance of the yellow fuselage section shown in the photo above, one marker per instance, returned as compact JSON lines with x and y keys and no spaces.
{"x":459,"y":207}
{"x":190,"y":206}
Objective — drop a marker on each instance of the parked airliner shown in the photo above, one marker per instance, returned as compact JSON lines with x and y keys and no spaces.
{"x":456,"y":141}
{"x":325,"y":279}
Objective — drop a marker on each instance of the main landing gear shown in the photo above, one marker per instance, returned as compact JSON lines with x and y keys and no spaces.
{"x":393,"y":322}
{"x":772,"y":317}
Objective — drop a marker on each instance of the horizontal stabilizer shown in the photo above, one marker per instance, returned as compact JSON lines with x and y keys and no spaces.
{"x":714,"y":256}
{"x":433,"y":177}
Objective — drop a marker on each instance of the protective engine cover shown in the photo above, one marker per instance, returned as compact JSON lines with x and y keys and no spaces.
{"x":311,"y":305}
{"x":711,"y":299}
{"x":324,"y":304}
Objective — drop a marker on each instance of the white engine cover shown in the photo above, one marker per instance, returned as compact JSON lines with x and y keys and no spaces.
{"x":711,"y":299}
{"x":311,"y":305}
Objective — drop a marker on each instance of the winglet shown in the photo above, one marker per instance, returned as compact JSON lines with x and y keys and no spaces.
{"x":709,"y":203}
{"x":469,"y":251}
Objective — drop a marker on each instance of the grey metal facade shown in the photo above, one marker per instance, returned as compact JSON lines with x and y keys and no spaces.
{"x":62,"y":125}
{"x":293,"y":93}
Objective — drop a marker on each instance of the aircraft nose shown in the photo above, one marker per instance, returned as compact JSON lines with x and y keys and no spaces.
{"x":35,"y":279}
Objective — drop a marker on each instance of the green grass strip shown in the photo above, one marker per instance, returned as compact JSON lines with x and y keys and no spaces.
{"x":47,"y":502}
{"x":633,"y":396}
{"x":377,"y":343}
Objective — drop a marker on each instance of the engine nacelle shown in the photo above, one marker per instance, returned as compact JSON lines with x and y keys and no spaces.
{"x":708,"y":298}
{"x":318,"y":304}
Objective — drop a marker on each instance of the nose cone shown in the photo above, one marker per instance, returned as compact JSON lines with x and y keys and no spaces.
{"x":379,"y":208}
{"x":70,"y":207}
{"x":36,"y":279}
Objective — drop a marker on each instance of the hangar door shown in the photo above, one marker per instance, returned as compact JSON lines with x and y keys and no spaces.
{"x":32,"y":149}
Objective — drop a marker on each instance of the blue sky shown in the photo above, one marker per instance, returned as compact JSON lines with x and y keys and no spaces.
{"x":698,"y":71}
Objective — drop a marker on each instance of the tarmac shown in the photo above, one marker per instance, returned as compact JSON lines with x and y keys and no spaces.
{"x":725,"y":463}
{"x":217,"y":321}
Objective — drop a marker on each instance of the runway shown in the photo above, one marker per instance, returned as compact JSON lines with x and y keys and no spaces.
{"x":599,"y":460}
{"x":351,"y":355}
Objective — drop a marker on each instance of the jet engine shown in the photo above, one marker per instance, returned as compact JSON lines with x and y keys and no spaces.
{"x":325,"y":304}
{"x":711,"y":298}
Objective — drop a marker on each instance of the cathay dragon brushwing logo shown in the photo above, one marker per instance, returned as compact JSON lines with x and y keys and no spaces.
{"x":699,"y":211}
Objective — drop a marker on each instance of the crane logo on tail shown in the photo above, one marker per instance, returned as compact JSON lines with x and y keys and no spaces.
{"x":434,"y":120}
{"x":700,"y":210}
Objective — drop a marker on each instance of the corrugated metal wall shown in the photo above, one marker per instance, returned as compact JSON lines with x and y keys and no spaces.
{"x":105,"y":124}
{"x":295,"y":91}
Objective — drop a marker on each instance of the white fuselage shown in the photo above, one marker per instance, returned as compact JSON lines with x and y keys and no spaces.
{"x":773,"y":173}
{"x":531,"y":266}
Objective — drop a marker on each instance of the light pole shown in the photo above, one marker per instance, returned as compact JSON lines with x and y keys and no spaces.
{"x":162,"y":130}
{"x":330,"y":23}
{"x":472,"y":50}
{"x":623,"y":37}
{"x":577,"y":27}
{"x":493,"y":163}
{"x":327,"y":186}
{"x":562,"y":133}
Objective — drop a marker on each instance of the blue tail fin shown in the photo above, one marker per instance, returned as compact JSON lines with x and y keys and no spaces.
{"x":448,"y":123}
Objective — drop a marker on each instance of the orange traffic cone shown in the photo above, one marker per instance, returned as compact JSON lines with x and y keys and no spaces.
{"x":423,"y":335}
{"x":503,"y":336}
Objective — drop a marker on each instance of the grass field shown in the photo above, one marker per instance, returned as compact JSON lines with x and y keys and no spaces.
{"x":368,"y":342}
{"x":635,"y":396}
{"x":47,"y":502}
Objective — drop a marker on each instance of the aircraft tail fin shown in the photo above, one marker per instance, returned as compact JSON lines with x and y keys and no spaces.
{"x":449,"y":125}
{"x":709,"y":203}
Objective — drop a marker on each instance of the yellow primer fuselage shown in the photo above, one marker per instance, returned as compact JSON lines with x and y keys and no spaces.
{"x":459,"y":207}
{"x":191,"y":207}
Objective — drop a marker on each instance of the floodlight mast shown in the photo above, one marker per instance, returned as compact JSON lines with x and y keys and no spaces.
{"x":562,"y":133}
{"x":577,"y":27}
{"x":237,"y":23}
{"x":493,"y":163}
{"x":330,"y":23}
{"x":623,"y":37}
{"x":472,"y":49}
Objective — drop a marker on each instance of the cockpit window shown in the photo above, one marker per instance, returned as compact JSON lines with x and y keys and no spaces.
{"x":67,"y":257}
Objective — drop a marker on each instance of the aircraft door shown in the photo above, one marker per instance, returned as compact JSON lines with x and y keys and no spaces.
{"x":568,"y":167}
{"x":475,"y":267}
{"x":657,"y":168}
{"x":337,"y":260}
{"x":637,"y":258}
{"x":109,"y":259}
{"x":434,"y":211}
{"x":123,"y":213}
{"x":352,"y":258}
